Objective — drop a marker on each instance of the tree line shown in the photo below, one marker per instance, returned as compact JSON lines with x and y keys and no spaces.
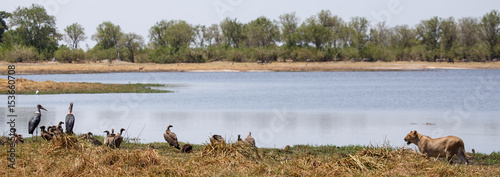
{"x":31,"y":36}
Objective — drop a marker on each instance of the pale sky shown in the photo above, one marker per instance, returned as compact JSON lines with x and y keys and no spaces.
{"x":139,"y":16}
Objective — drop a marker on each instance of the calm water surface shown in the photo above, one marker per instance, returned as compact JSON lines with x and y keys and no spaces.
{"x":286,"y":108}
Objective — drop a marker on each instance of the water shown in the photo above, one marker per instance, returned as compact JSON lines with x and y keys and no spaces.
{"x":285,"y":108}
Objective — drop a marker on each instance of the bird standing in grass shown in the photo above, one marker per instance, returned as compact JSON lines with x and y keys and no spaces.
{"x":171,"y":137}
{"x":35,"y":120}
{"x":45,"y":135}
{"x":118,"y":139}
{"x":250,"y":140}
{"x":108,"y":140}
{"x":70,"y":120}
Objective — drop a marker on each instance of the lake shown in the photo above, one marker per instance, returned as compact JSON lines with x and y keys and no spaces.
{"x":285,"y":108}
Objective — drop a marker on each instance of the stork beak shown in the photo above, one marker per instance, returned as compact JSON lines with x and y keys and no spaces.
{"x":43,"y":108}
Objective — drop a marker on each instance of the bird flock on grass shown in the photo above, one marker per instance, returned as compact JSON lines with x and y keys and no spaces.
{"x":111,"y":139}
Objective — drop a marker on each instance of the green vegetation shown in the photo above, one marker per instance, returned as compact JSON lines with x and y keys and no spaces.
{"x":321,"y":37}
{"x":69,"y":156}
{"x":24,"y":86}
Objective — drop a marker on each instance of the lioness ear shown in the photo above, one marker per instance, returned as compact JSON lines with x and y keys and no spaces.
{"x":415,"y":132}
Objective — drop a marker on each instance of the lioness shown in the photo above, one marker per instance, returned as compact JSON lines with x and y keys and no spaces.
{"x":439,"y":147}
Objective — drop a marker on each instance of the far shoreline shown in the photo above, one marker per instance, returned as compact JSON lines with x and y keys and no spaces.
{"x":119,"y":66}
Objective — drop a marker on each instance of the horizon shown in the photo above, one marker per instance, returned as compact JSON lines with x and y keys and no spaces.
{"x":197,"y":12}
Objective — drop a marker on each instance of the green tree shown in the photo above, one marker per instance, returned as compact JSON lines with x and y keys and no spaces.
{"x":334,"y":23}
{"x":133,"y":42}
{"x":108,"y":35}
{"x":289,"y":25}
{"x":359,"y":26}
{"x":232,"y":32}
{"x":36,"y":28}
{"x":213,"y":35}
{"x":315,"y":33}
{"x":174,"y":33}
{"x":467,"y":34}
{"x":490,"y":26}
{"x":448,"y":34}
{"x":74,"y":35}
{"x":403,"y":38}
{"x":3,"y":25}
{"x":428,"y":32}
{"x":261,"y":32}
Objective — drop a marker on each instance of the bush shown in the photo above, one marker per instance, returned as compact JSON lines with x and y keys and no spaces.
{"x":20,"y":53}
{"x":66,"y":55}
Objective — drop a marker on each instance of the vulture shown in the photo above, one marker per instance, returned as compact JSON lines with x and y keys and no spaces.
{"x":45,"y":135}
{"x":108,"y":140}
{"x":118,"y":139}
{"x":249,"y":140}
{"x":216,"y":139}
{"x":187,"y":148}
{"x":171,"y":137}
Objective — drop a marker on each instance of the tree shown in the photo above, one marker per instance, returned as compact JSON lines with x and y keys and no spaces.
{"x":232,"y":32}
{"x":213,"y":35}
{"x":199,"y":35}
{"x":289,"y":25}
{"x":3,"y":25}
{"x":174,"y":33}
{"x":261,"y":32}
{"x":74,"y":35}
{"x":428,"y":32}
{"x":315,"y":33}
{"x":133,"y":42}
{"x":36,"y":28}
{"x":448,"y":34}
{"x":467,"y":34}
{"x":490,"y":26}
{"x":334,"y":23}
{"x":359,"y":26}
{"x":403,"y":38}
{"x":108,"y":35}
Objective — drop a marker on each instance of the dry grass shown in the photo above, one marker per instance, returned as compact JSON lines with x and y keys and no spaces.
{"x":24,"y":86}
{"x":70,"y":156}
{"x":57,"y":68}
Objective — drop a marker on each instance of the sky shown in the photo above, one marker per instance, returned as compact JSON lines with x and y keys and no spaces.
{"x":140,"y":16}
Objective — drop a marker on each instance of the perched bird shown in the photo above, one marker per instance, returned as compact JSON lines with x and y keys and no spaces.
{"x":187,"y":148}
{"x":35,"y":120}
{"x":171,"y":137}
{"x":45,"y":135}
{"x":58,"y":131}
{"x":36,"y":93}
{"x":70,"y":120}
{"x":118,"y":139}
{"x":108,"y":140}
{"x":90,"y":137}
{"x":216,"y":139}
{"x":17,"y":138}
{"x":249,"y":140}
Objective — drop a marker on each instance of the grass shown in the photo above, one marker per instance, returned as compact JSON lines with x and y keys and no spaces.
{"x":24,"y":86}
{"x":64,"y":68}
{"x":71,"y":156}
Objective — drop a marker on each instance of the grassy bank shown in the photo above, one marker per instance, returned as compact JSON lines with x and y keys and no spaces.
{"x":70,"y":156}
{"x":24,"y":86}
{"x":61,"y":68}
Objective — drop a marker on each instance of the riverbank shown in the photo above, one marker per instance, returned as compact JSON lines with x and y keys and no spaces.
{"x":64,"y":68}
{"x":29,"y":87}
{"x":71,"y":156}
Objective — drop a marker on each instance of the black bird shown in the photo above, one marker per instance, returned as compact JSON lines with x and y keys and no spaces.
{"x":35,"y":120}
{"x":70,"y":120}
{"x":118,"y":139}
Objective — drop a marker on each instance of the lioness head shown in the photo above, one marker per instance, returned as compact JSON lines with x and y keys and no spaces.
{"x":412,"y":137}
